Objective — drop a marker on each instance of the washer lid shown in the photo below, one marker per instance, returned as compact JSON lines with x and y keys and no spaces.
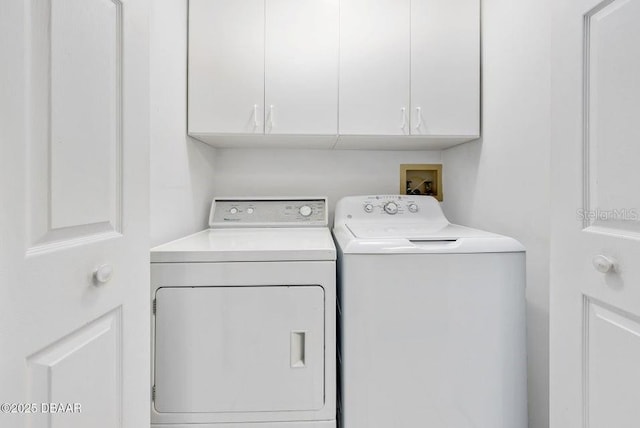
{"x":371,"y":238}
{"x":249,"y":244}
{"x":426,"y":231}
{"x":401,"y":224}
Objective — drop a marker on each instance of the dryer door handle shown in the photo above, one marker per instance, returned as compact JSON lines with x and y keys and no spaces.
{"x":298,"y":349}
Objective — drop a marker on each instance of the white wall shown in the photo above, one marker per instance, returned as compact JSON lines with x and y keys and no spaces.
{"x":329,"y":173}
{"x":182,"y":169}
{"x":501,"y":183}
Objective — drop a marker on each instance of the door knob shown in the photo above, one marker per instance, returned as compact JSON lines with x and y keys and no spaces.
{"x":103,"y":274}
{"x":604,"y":264}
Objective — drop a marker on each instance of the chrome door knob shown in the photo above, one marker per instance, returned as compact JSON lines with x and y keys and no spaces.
{"x":604,"y":264}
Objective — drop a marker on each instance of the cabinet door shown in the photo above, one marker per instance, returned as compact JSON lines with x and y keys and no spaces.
{"x":301,"y":65}
{"x":374,"y":67}
{"x":226,"y":66}
{"x":239,"y":349}
{"x":445,"y":67}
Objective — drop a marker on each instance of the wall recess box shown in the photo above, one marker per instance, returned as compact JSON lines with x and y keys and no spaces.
{"x":421,"y":179}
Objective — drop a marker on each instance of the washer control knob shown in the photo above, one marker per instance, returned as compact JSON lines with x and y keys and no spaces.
{"x":368,"y":208}
{"x":249,"y":210}
{"x":391,"y":208}
{"x":305,"y":210}
{"x":233,"y":210}
{"x":413,"y":208}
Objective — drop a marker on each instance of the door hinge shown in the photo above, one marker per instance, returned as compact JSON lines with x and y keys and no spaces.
{"x":153,"y":393}
{"x":154,"y":306}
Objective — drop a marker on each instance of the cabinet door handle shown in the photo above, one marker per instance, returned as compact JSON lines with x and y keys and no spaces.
{"x":404,"y":118}
{"x":255,"y":116}
{"x":419,"y":114}
{"x":271,"y":121}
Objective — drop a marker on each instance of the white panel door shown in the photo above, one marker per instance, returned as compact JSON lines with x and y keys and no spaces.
{"x":374,"y":67}
{"x":595,"y":277}
{"x":74,"y":107}
{"x":239,"y":349}
{"x":445,"y":67}
{"x":301,"y":67}
{"x":226,"y":66}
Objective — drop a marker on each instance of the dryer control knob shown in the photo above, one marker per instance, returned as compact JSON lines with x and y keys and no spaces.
{"x":368,"y":208}
{"x":233,"y":211}
{"x":391,"y":208}
{"x":413,"y":208}
{"x":305,"y":210}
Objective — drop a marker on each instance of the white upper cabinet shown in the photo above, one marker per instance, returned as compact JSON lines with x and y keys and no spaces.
{"x":301,"y":67}
{"x":372,"y":74}
{"x":410,"y":67}
{"x":375,"y":41}
{"x":226,"y":66}
{"x":445,"y":67}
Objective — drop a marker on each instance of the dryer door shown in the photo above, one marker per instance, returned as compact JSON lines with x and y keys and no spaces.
{"x":239,"y":349}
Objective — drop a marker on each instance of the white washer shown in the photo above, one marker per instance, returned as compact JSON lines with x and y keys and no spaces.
{"x":432,"y":318}
{"x":243,"y":329}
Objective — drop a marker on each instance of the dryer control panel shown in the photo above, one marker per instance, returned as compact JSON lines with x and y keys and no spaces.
{"x":268,"y":212}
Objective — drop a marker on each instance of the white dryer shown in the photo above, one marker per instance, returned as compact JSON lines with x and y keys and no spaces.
{"x":432,"y":319}
{"x":243,"y":327}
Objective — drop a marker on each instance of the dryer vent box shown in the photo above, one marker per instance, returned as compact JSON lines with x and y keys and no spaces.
{"x":421,"y":179}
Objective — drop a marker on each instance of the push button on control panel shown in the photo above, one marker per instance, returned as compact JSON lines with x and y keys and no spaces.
{"x":305,"y":211}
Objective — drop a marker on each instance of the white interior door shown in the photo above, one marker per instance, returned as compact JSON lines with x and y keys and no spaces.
{"x":445,"y":67}
{"x":595,"y":289}
{"x":226,"y":66}
{"x":301,"y":67}
{"x":375,"y":45}
{"x":74,"y":185}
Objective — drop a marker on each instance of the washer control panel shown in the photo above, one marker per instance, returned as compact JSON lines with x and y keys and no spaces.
{"x":391,"y":205}
{"x":389,"y":210}
{"x":267,"y":212}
